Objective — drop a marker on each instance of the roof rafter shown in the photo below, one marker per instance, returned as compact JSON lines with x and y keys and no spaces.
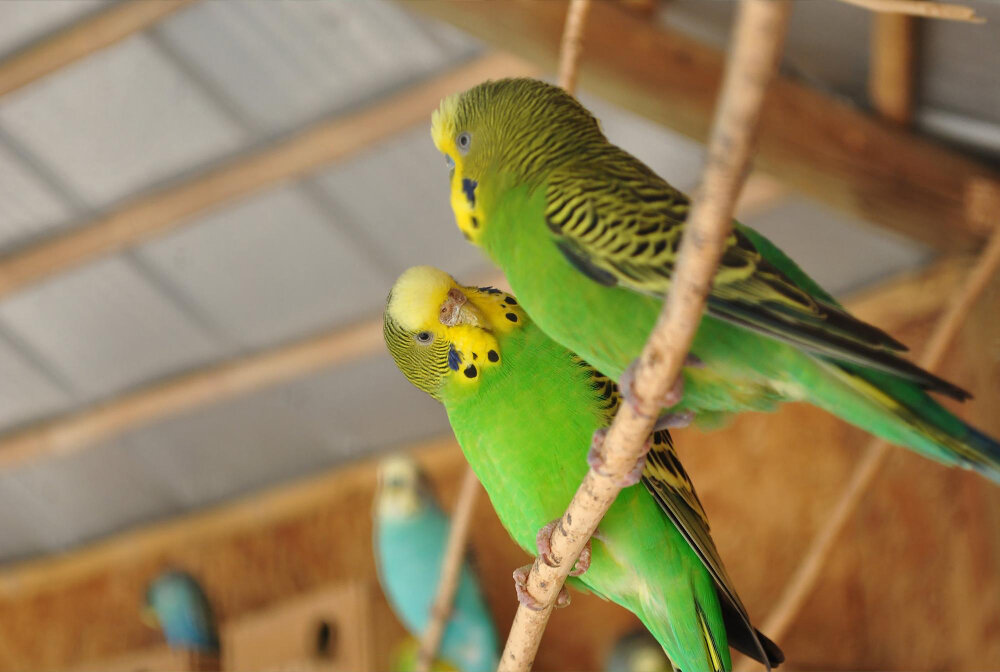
{"x":83,"y":38}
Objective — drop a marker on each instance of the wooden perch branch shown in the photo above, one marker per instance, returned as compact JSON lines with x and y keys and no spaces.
{"x":757,"y":45}
{"x":572,"y":43}
{"x":893,"y":58}
{"x":924,"y":8}
{"x":804,"y":579}
{"x":451,"y":570}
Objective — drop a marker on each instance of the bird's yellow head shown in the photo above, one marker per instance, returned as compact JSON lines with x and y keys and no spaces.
{"x":402,"y":488}
{"x":509,"y":129}
{"x":441,"y":333}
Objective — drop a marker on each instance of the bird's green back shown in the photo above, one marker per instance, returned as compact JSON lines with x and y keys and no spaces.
{"x":525,"y":430}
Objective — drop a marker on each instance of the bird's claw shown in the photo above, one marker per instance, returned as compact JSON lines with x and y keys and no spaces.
{"x":525,"y":598}
{"x":544,"y":543}
{"x":676,"y":420}
{"x":595,"y":459}
{"x":670,"y":399}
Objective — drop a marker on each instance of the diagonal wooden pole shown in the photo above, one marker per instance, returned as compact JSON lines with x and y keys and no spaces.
{"x":804,"y":579}
{"x":757,"y":44}
{"x":451,"y":570}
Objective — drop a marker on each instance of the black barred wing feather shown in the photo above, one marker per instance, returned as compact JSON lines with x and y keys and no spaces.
{"x":667,"y":481}
{"x":620,"y":224}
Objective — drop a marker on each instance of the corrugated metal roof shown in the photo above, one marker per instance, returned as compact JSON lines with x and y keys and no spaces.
{"x":212,"y":81}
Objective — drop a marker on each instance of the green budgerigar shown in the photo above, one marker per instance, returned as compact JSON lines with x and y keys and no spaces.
{"x":588,"y":236}
{"x":524,"y":410}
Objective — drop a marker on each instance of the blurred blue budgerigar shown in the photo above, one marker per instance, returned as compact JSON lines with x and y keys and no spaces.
{"x":411,"y":533}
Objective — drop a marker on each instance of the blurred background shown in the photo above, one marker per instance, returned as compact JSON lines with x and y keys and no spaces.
{"x":204,"y":203}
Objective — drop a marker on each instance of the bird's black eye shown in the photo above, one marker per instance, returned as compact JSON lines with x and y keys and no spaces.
{"x":424,"y":337}
{"x":463,"y":141}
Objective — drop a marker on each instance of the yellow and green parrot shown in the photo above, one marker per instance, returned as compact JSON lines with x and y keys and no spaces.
{"x":588,"y":236}
{"x":524,"y":409}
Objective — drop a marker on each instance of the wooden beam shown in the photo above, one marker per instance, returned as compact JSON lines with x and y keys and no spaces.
{"x":76,"y":431}
{"x":893,"y":58}
{"x":322,"y":144}
{"x":274,"y":547}
{"x":83,"y":38}
{"x":815,"y":143}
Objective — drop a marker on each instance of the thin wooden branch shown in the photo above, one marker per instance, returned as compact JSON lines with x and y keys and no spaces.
{"x":82,"y":39}
{"x":757,"y":46}
{"x":333,"y":140}
{"x":924,"y":8}
{"x":804,"y":579}
{"x":451,"y":570}
{"x":893,"y":59}
{"x":572,"y":43}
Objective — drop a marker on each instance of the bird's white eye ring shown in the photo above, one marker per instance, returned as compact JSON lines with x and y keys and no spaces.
{"x":424,"y":337}
{"x":463,"y":141}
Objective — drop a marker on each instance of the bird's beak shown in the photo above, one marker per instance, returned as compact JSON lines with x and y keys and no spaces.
{"x":148,"y":617}
{"x":457,"y":309}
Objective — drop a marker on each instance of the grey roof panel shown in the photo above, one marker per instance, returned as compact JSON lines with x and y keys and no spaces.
{"x":286,"y":432}
{"x":25,"y":391}
{"x":24,"y":21}
{"x":28,"y":207}
{"x":269,"y":268}
{"x":120,"y":96}
{"x":960,"y":65}
{"x":840,"y":253}
{"x":396,"y":194}
{"x":77,"y":497}
{"x":105,"y":327}
{"x":284,"y":63}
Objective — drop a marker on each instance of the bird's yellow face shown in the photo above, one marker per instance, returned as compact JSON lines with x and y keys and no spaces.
{"x":439,"y":331}
{"x":399,"y":488}
{"x":456,"y":139}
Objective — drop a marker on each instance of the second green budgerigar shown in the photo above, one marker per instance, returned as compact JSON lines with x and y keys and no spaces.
{"x":588,"y":236}
{"x":524,"y":410}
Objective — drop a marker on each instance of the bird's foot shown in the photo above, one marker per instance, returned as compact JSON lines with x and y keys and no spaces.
{"x":525,"y":598}
{"x":673,"y":395}
{"x":595,"y":458}
{"x":544,"y":543}
{"x":677,"y":420}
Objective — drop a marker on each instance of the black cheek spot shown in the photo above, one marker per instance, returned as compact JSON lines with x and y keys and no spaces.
{"x":493,"y":356}
{"x":475,"y":356}
{"x":470,"y":371}
{"x":467,"y":236}
{"x":511,"y":316}
{"x":510,"y":301}
{"x":474,"y":221}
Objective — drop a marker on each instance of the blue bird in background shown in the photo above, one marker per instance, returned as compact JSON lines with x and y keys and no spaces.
{"x":638,"y":651}
{"x":176,"y":603}
{"x":411,"y":533}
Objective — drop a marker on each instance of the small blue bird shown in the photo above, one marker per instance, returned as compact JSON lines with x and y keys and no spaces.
{"x":411,"y":533}
{"x":638,"y":651}
{"x":176,"y":603}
